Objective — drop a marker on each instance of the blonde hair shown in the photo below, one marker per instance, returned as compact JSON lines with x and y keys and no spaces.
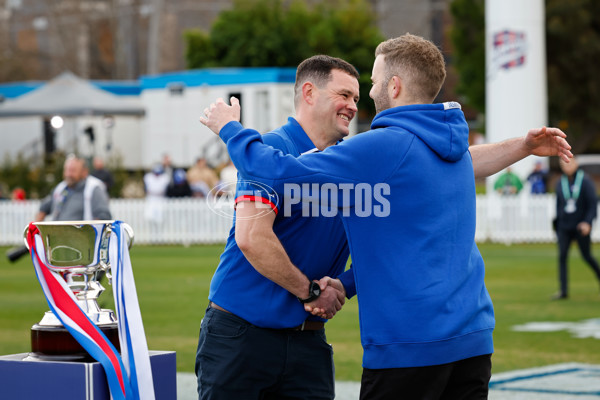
{"x":418,"y":62}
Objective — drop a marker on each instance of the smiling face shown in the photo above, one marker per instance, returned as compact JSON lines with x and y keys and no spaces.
{"x":335,"y":104}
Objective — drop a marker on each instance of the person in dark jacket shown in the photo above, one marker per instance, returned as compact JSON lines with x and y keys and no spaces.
{"x":576,"y":208}
{"x":100,"y":172}
{"x":179,"y":186}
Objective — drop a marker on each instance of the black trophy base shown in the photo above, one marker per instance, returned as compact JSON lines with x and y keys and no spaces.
{"x":55,"y":343}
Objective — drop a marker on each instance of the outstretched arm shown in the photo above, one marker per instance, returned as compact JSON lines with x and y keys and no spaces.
{"x":494,"y":157}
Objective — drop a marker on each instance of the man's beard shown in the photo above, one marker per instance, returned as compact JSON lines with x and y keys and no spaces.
{"x":382,"y":102}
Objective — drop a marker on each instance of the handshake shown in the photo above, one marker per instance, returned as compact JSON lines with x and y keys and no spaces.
{"x":331,"y":300}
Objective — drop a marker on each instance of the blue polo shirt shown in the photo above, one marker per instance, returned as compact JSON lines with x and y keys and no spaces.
{"x":315,"y":244}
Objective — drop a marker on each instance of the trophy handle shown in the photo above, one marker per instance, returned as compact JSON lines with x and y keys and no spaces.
{"x":129,"y":235}
{"x":129,"y":232}
{"x":25,"y":237}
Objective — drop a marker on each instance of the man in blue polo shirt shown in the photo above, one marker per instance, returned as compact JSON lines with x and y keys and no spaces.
{"x":256,"y":339}
{"x":426,"y":318}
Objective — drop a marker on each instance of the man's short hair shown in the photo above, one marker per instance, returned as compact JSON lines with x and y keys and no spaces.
{"x":74,"y":158}
{"x":418,"y":62}
{"x":317,"y":69}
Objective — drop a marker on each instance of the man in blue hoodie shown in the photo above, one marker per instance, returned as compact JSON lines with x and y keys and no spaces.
{"x":406,"y":193}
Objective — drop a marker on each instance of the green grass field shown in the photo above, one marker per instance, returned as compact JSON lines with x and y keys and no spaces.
{"x":172,"y":284}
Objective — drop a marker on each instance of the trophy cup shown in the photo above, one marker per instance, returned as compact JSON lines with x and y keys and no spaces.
{"x":79,"y":252}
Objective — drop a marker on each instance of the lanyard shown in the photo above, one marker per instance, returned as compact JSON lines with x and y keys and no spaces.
{"x":576,"y":186}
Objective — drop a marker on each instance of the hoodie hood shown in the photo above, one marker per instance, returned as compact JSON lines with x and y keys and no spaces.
{"x":441,"y":126}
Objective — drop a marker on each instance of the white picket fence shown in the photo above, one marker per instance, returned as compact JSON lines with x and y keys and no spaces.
{"x":184,"y":221}
{"x":515,"y":219}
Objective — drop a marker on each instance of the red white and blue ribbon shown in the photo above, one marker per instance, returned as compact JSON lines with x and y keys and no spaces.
{"x":132,"y":338}
{"x":123,"y":377}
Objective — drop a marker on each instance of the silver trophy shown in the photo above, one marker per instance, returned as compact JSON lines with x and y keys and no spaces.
{"x":79,"y":251}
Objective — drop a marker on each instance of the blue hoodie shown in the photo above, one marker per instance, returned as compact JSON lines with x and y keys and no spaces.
{"x":419,"y":275}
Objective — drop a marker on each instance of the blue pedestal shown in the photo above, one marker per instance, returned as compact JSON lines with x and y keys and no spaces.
{"x":50,"y":380}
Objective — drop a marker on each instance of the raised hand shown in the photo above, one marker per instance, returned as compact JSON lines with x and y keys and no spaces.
{"x":219,"y":114}
{"x":548,"y":142}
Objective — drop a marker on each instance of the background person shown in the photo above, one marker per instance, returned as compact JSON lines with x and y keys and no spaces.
{"x":576,"y":208}
{"x":156,"y":183}
{"x":78,"y":197}
{"x":508,"y":183}
{"x":179,"y":186}
{"x":167,"y":165}
{"x":201,"y":178}
{"x":538,"y":179}
{"x":18,"y":194}
{"x":99,"y":171}
{"x":228,"y":178}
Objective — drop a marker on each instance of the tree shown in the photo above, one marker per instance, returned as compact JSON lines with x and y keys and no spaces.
{"x":468,"y":38}
{"x":573,"y":52}
{"x":266,"y":33}
{"x":199,"y":51}
{"x":572,"y":48}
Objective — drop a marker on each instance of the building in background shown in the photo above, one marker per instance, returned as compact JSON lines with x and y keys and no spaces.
{"x":125,"y":39}
{"x":139,"y":121}
{"x":98,"y":39}
{"x":135,"y":48}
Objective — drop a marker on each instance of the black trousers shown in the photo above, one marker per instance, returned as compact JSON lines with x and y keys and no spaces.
{"x":565,"y":237}
{"x":239,"y":361}
{"x":464,"y":379}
